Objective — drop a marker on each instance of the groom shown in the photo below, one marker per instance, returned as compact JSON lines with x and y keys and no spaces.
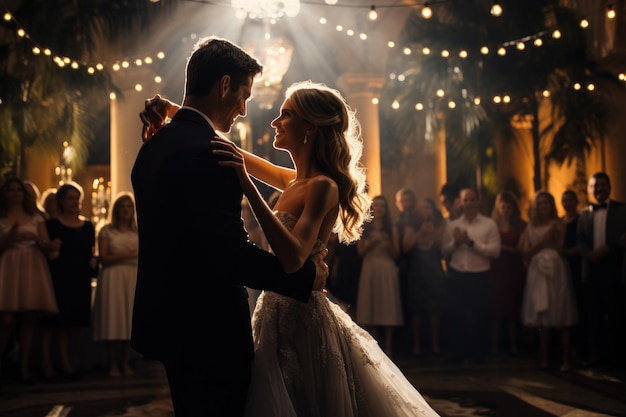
{"x":191,"y":309}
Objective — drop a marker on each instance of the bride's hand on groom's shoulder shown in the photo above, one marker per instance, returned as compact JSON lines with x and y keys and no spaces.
{"x":157,"y":110}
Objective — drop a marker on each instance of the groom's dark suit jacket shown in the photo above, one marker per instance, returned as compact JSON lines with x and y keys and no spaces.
{"x":194,"y":255}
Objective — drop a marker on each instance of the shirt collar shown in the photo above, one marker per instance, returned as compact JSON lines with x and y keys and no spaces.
{"x":204,"y":116}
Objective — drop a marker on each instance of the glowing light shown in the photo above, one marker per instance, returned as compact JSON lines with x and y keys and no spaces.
{"x":502,"y":51}
{"x":419,"y":106}
{"x":138,"y":87}
{"x":496,"y":9}
{"x":584,"y":23}
{"x":440,"y":93}
{"x":372,"y":15}
{"x":395,"y":105}
{"x":427,"y":12}
{"x":484,"y":50}
{"x":610,"y":13}
{"x":445,"y":53}
{"x":261,"y":9}
{"x":556,"y":34}
{"x":545,"y":93}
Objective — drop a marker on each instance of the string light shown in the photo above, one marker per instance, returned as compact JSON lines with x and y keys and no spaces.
{"x":610,"y":13}
{"x":496,"y":9}
{"x":427,"y":12}
{"x":75,"y":64}
{"x":372,"y":15}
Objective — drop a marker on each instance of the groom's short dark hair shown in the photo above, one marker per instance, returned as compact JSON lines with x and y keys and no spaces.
{"x":214,"y":57}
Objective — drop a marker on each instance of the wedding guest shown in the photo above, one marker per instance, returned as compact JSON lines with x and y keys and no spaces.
{"x":115,"y":293}
{"x":378,"y":297}
{"x":450,"y":198}
{"x":507,"y":275}
{"x":470,"y":243}
{"x":72,"y":266}
{"x":426,"y":285}
{"x":548,"y":301}
{"x":571,"y":252}
{"x":49,"y":203}
{"x":26,"y":290}
{"x":602,"y":236}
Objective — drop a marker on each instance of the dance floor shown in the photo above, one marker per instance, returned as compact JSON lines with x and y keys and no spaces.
{"x":508,"y":387}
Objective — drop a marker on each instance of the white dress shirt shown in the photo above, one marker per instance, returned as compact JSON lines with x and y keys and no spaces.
{"x":483,"y":231}
{"x":599,"y":227}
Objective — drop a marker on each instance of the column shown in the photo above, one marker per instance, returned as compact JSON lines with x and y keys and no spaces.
{"x":360,"y":90}
{"x":126,"y":125}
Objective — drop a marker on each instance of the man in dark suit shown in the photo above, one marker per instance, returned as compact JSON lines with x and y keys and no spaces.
{"x":191,"y":309}
{"x":601,"y":233}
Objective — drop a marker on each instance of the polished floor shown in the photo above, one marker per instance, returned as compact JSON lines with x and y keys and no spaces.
{"x":504,"y":386}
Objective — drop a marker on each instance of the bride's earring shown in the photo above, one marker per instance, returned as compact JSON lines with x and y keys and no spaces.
{"x":306,"y":139}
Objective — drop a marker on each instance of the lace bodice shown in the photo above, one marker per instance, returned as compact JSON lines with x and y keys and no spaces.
{"x":289,"y":220}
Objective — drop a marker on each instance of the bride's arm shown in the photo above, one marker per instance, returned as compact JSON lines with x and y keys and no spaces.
{"x":271,"y":174}
{"x":292,"y":248}
{"x":158,"y":110}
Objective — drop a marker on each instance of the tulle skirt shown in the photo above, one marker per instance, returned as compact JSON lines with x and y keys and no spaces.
{"x":312,"y":360}
{"x":25,"y":283}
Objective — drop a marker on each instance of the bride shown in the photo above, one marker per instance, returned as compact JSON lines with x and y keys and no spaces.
{"x":311,"y":359}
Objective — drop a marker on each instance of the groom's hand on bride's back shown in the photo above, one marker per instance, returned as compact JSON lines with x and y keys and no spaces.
{"x":321,"y":269}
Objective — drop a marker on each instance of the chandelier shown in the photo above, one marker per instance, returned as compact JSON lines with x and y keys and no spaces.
{"x":275,"y":56}
{"x":266,"y":9}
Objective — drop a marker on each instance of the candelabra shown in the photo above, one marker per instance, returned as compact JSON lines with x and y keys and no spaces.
{"x":100,"y":201}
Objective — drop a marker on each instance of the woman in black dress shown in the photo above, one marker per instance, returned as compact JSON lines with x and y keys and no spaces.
{"x":571,"y":252}
{"x":72,"y":266}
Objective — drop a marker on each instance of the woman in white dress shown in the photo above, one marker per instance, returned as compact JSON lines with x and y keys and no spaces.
{"x":548,"y":301}
{"x":115,"y":293}
{"x":379,"y":305}
{"x":26,"y":290}
{"x":312,"y":360}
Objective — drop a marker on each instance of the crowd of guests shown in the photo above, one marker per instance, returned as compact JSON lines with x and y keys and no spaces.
{"x":50,"y":256}
{"x":468,"y":285}
{"x":476,"y":285}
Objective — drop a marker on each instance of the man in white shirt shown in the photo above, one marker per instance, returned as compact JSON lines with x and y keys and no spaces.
{"x":469,"y":243}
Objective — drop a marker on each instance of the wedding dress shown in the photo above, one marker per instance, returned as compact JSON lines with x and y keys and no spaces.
{"x":312,"y":360}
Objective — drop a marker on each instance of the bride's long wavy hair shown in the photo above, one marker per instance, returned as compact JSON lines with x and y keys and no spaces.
{"x":338,"y":147}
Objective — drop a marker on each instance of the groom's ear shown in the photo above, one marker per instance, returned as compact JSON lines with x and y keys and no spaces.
{"x":225,"y":85}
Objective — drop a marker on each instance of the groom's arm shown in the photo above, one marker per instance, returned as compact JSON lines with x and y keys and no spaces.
{"x":261,"y":270}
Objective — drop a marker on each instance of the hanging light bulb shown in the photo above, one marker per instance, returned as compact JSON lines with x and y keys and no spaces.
{"x":610,"y":13}
{"x":496,"y":9}
{"x":427,"y":12}
{"x":372,"y":14}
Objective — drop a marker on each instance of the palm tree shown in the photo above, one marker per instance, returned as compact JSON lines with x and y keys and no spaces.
{"x":537,"y":64}
{"x":44,"y":103}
